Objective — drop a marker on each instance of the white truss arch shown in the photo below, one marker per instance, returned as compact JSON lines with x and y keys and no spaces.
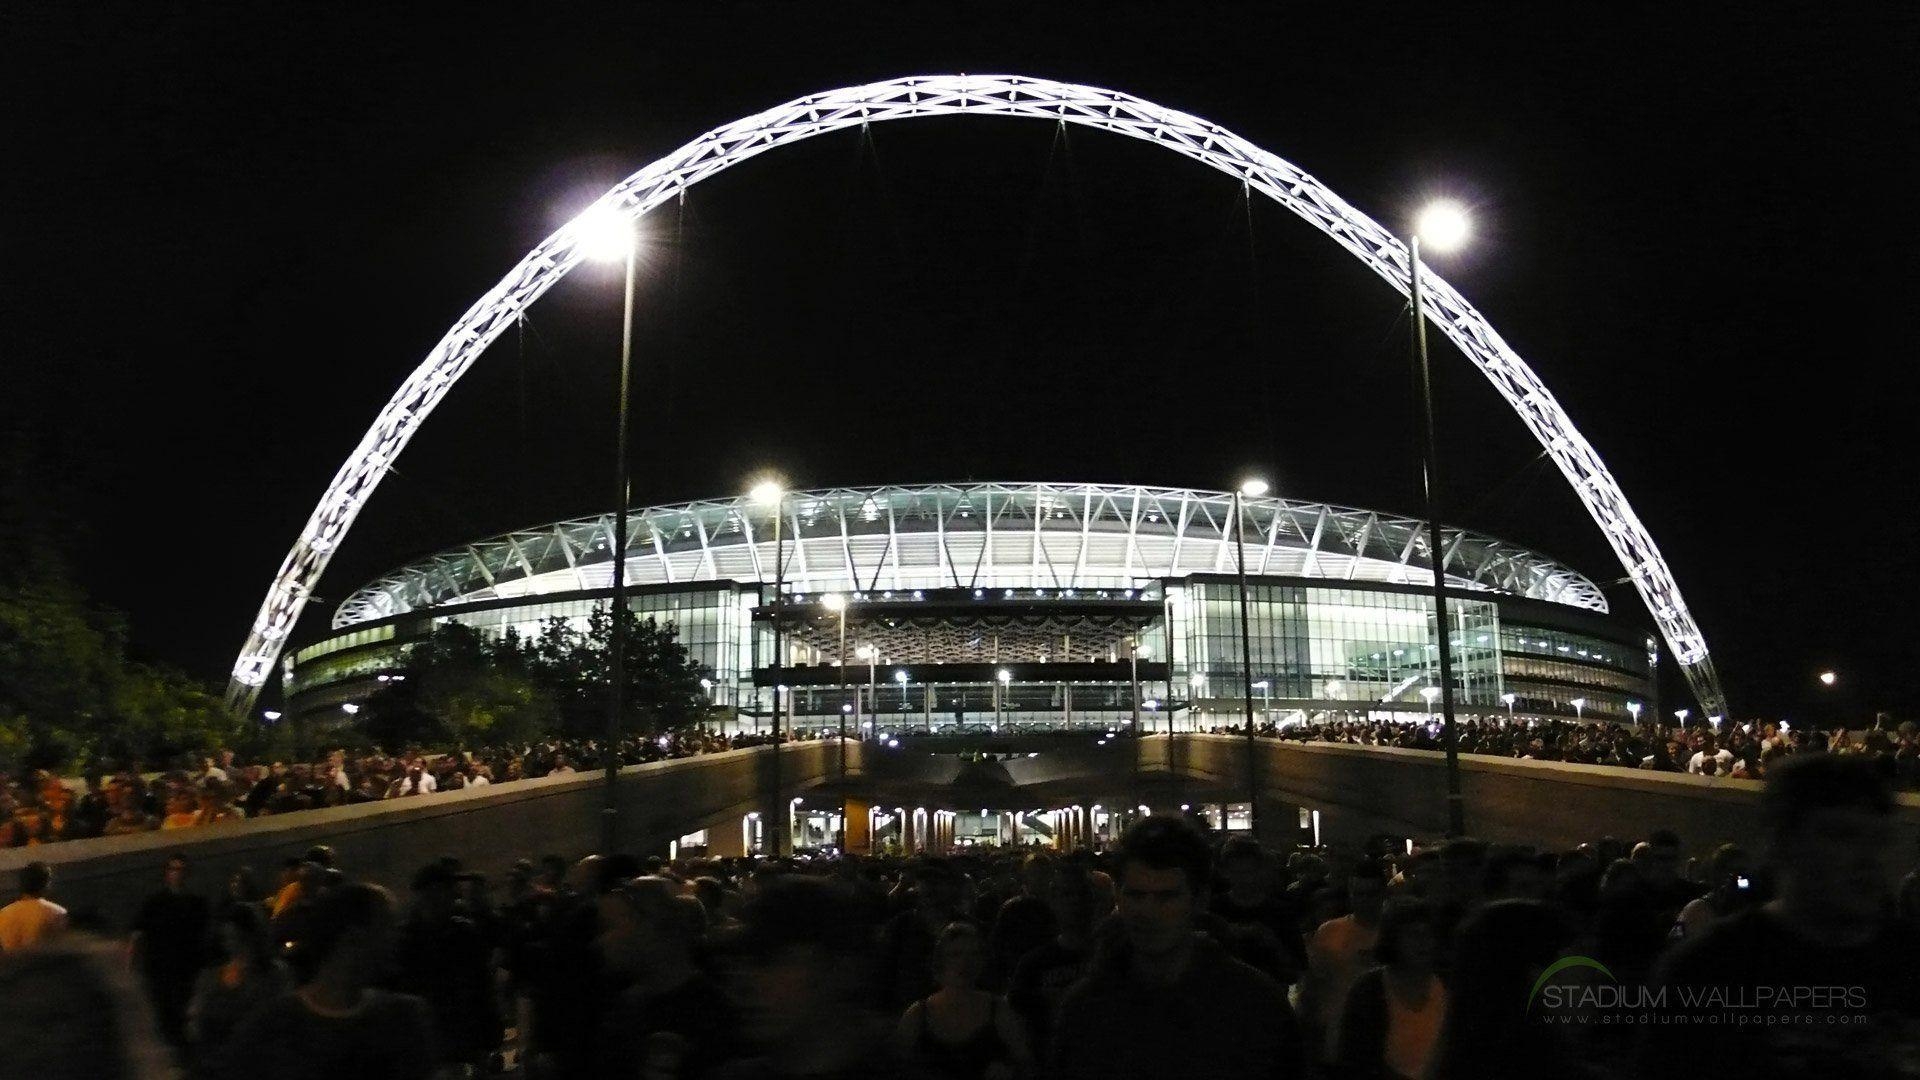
{"x":955,"y":95}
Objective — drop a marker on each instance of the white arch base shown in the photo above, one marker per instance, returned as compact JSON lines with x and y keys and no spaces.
{"x":955,"y":95}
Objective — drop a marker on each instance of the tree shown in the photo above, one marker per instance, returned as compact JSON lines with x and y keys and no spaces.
{"x":68,"y":693}
{"x":461,"y":687}
{"x":662,"y":680}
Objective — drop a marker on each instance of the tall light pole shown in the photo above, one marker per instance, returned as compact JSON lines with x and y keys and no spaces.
{"x":1633,"y":707}
{"x":612,"y":239}
{"x":1266,"y":699}
{"x":1579,"y":708}
{"x":837,"y":604}
{"x":871,"y":655}
{"x":1249,"y":489}
{"x":1508,"y":700}
{"x":772,"y":493}
{"x":1444,"y":225}
{"x":1003,"y":677}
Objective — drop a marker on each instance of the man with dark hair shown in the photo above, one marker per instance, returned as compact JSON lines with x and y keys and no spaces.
{"x":336,"y":1025}
{"x":1166,"y":1001}
{"x":168,"y":945}
{"x":33,"y":918}
{"x":1821,"y":978}
{"x":671,"y":1019}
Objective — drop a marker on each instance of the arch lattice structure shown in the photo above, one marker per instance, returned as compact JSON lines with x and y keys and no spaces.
{"x":957,"y":95}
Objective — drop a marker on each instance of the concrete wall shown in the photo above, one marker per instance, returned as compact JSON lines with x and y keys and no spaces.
{"x":1364,"y":790}
{"x":486,"y":828}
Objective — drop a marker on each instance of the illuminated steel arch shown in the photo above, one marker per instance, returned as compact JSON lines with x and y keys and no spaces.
{"x":955,"y":95}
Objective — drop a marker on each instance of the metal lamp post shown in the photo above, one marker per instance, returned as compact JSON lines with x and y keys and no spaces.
{"x":772,"y":493}
{"x":1003,"y":677}
{"x":612,"y":239}
{"x":1250,"y":489}
{"x":837,"y":604}
{"x":1444,"y":225}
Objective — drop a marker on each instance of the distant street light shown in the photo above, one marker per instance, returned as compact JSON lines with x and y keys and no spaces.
{"x":1579,"y":704}
{"x":1633,"y":709}
{"x":1681,"y":715}
{"x":1508,"y":700}
{"x":271,"y":715}
{"x":1828,"y":678}
{"x":349,"y":708}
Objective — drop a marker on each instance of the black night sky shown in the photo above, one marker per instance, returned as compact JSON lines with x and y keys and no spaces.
{"x":229,"y":235}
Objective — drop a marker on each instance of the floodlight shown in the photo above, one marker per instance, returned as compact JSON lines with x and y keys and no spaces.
{"x":1443,"y":225}
{"x":604,"y":234}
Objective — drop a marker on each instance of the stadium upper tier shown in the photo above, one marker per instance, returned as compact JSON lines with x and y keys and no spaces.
{"x":988,"y":535}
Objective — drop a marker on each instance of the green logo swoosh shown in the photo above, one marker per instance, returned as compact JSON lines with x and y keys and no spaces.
{"x":1561,"y":965}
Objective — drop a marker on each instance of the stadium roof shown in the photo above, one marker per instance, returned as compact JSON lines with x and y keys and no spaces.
{"x":988,"y":535}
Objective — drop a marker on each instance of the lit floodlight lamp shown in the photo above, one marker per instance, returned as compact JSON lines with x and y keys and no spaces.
{"x":604,"y":234}
{"x":1634,"y":708}
{"x":847,"y":708}
{"x":864,"y":652}
{"x":1828,"y":678}
{"x":900,"y":677}
{"x":1253,"y":487}
{"x":349,"y":708}
{"x":1261,"y":685}
{"x":1682,"y":714}
{"x":767,"y":492}
{"x":1429,"y":692}
{"x":271,"y":715}
{"x":706,"y":684}
{"x":1443,"y":225}
{"x":1005,"y":676}
{"x":1509,"y":699}
{"x":1197,"y":679}
{"x":834,"y":602}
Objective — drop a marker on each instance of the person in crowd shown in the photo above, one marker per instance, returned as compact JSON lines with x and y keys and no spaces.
{"x":1021,"y":922}
{"x":1043,"y":977}
{"x":1263,"y":924}
{"x":671,"y":1018}
{"x":1659,"y":861}
{"x":1500,"y":952}
{"x":1340,"y":949}
{"x":802,"y":970}
{"x":1165,"y":1001}
{"x":1706,"y":750}
{"x":245,"y":973}
{"x":442,"y":958}
{"x":936,"y":896}
{"x":73,"y":1014}
{"x":1391,"y":1021}
{"x":32,"y":919}
{"x":1830,"y":924}
{"x":168,"y":945}
{"x":960,"y":1031}
{"x":1733,"y":885}
{"x":338,"y":1025}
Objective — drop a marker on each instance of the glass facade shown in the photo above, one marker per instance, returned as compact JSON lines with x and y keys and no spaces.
{"x":1312,"y":643}
{"x":1318,"y":650}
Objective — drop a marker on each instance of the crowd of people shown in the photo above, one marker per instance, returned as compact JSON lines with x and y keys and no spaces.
{"x":40,"y":807}
{"x":1744,"y":751}
{"x":1173,"y":954}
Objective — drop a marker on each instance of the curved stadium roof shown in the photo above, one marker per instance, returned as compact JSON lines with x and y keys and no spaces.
{"x":990,"y":535}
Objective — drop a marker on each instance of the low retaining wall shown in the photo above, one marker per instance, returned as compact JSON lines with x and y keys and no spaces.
{"x":485,"y":828}
{"x":1363,"y":790}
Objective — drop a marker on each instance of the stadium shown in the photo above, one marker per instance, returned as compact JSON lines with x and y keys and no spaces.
{"x":995,"y":606}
